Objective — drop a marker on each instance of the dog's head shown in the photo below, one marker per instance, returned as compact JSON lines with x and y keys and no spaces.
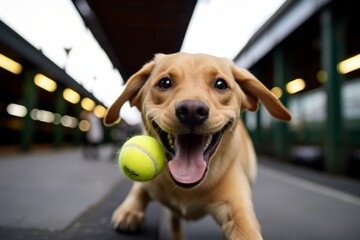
{"x":188,"y":102}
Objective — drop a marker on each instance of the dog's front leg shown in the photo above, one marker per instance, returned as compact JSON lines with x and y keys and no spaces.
{"x":236,"y":215}
{"x":175,"y":226}
{"x":238,"y":222}
{"x":130,"y":215}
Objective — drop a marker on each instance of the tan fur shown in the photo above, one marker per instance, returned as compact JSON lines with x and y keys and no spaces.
{"x":225,"y":193}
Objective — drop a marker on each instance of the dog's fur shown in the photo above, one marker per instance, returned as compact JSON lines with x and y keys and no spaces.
{"x":190,"y":96}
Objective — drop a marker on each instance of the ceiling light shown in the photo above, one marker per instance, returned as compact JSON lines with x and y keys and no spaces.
{"x":87,"y":104}
{"x":84,"y":125}
{"x":45,"y":116}
{"x":99,"y":111}
{"x":277,"y":92}
{"x":45,"y":82}
{"x":322,"y":76}
{"x":16,"y":110}
{"x":57,"y":119}
{"x":10,"y":64}
{"x":71,"y":96}
{"x":295,"y":86}
{"x":68,"y":121}
{"x":349,"y":65}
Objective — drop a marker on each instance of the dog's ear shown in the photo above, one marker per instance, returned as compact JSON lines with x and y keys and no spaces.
{"x":254,"y":91}
{"x":132,"y":92}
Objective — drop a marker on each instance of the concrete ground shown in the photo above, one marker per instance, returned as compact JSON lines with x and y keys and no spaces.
{"x":62,"y":195}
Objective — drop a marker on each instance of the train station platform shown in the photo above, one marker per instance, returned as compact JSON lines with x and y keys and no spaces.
{"x":61,"y":195}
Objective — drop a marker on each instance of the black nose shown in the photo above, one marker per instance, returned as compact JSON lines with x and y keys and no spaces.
{"x":192,"y":112}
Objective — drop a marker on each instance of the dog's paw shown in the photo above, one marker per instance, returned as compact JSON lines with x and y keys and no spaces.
{"x":127,"y":220}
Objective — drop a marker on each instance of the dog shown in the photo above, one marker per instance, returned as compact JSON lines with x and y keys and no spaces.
{"x":192,"y":104}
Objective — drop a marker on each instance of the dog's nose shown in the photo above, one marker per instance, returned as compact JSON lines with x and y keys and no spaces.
{"x":192,"y":112}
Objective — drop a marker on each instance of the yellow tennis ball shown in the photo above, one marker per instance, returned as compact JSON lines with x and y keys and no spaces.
{"x":142,"y":158}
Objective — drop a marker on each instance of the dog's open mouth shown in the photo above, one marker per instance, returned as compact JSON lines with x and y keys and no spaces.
{"x":189,"y":154}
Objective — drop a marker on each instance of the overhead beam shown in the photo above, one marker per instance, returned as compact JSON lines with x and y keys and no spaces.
{"x":18,"y":44}
{"x":289,"y":17}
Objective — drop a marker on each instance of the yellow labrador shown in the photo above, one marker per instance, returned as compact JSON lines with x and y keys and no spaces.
{"x":192,"y":103}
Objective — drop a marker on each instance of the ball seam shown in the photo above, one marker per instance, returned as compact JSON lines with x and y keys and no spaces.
{"x":147,"y":154}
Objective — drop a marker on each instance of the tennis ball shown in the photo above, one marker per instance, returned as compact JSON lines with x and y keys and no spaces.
{"x":142,"y":158}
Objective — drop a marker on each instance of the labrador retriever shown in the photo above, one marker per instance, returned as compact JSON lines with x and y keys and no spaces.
{"x":192,"y":104}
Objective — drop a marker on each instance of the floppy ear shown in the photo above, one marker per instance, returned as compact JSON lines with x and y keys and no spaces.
{"x":255,"y":91}
{"x":132,"y":92}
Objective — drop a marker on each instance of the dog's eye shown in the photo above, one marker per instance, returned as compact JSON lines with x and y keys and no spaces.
{"x":221,"y":84}
{"x":164,"y":83}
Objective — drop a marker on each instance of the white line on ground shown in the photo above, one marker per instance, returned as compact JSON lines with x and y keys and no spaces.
{"x":310,"y":186}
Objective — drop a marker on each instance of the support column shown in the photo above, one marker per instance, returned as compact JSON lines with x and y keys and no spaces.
{"x":257,"y":140}
{"x":281,"y":130}
{"x":30,"y":101}
{"x":77,"y":132}
{"x":332,"y":39}
{"x":60,"y":108}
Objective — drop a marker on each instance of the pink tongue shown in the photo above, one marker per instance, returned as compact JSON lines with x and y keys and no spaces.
{"x":188,"y":165}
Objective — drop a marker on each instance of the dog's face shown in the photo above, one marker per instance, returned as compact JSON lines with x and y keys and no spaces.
{"x":189,"y":102}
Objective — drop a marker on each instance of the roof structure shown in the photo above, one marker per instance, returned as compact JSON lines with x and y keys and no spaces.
{"x":285,"y":21}
{"x":132,"y":31}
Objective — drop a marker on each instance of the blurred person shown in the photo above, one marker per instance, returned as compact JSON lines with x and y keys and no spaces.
{"x":94,"y":135}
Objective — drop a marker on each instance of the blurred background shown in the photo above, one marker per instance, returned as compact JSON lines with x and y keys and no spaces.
{"x":61,"y":61}
{"x":76,"y":55}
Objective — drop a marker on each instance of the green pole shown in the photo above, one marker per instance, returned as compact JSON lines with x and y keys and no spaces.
{"x":331,"y":39}
{"x":30,"y":101}
{"x":257,"y":140}
{"x":281,"y":131}
{"x":77,"y":131}
{"x":60,"y":108}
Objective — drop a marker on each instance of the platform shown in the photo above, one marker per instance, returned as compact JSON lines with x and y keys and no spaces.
{"x":62,"y":195}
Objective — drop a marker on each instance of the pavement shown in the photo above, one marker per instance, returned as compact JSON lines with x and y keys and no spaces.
{"x":294,"y":203}
{"x":62,"y":195}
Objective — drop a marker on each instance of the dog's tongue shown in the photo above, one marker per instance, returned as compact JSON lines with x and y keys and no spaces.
{"x":188,"y":165}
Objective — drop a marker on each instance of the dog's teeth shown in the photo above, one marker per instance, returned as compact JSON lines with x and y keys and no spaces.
{"x":208,"y":141}
{"x":171,"y":141}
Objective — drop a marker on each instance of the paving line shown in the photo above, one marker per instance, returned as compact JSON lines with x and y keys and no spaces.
{"x":310,"y":186}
